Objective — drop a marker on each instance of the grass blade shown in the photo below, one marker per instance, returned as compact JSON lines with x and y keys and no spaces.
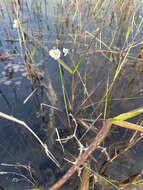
{"x":61,"y":62}
{"x":64,"y":95}
{"x":127,"y":115}
{"x":105,"y":109}
{"x":130,"y":27}
{"x":82,"y":57}
{"x":128,"y":125}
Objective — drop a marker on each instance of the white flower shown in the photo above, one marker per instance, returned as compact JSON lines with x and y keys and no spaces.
{"x":65,"y":51}
{"x":55,"y":53}
{"x":15,"y":23}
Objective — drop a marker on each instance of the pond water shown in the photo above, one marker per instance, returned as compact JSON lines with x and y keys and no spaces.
{"x":108,"y":34}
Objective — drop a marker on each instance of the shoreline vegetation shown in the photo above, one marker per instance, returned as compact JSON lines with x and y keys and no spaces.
{"x":91,"y":95}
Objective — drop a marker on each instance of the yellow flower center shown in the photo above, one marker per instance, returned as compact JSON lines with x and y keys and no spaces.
{"x":55,"y":53}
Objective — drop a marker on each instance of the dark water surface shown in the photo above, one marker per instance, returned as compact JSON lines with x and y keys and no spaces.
{"x":71,"y":26}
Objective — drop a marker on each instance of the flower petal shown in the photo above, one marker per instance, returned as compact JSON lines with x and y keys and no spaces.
{"x":65,"y":51}
{"x":55,"y":53}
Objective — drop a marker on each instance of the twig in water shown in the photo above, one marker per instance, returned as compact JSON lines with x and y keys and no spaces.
{"x":103,"y":149}
{"x":59,"y":139}
{"x":98,"y":139}
{"x":31,"y":94}
{"x":18,"y":174}
{"x":18,"y":165}
{"x":64,"y":140}
{"x":91,"y":126}
{"x":48,"y":153}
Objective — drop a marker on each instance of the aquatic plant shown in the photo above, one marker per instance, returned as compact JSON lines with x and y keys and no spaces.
{"x":65,"y":51}
{"x":15,"y":23}
{"x":55,"y":53}
{"x":85,"y":87}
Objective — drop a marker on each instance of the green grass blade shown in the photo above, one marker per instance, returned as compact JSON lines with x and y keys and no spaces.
{"x":82,"y":57}
{"x":79,"y":62}
{"x":105,"y":109}
{"x":34,"y":50}
{"x":130,"y":27}
{"x":61,"y":62}
{"x":63,"y":89}
{"x":103,"y":178}
{"x":127,"y":115}
{"x":138,"y":181}
{"x":128,"y":125}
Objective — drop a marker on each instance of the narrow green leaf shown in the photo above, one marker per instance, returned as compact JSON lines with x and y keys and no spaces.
{"x":34,"y":50}
{"x":128,"y":125}
{"x":130,"y":27}
{"x":63,"y":89}
{"x":82,"y":57}
{"x":127,"y":115}
{"x":61,"y":62}
{"x":105,"y":109}
{"x":79,"y":62}
{"x":138,"y":181}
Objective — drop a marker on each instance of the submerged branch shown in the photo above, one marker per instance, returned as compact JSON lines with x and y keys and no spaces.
{"x":98,"y":139}
{"x":47,"y":152}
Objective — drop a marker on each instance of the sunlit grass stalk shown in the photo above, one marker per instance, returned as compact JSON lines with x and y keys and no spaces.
{"x":113,"y":38}
{"x":16,"y":10}
{"x":104,"y":178}
{"x":32,"y":52}
{"x":105,"y":108}
{"x":61,"y":62}
{"x":7,"y":11}
{"x":80,"y":17}
{"x":27,"y":52}
{"x":128,"y":125}
{"x":96,"y":5}
{"x":39,"y":19}
{"x":130,"y":27}
{"x":138,"y":181}
{"x":138,"y":29}
{"x":83,"y":82}
{"x":99,"y":9}
{"x":64,"y":95}
{"x":82,"y":57}
{"x":20,"y":32}
{"x":128,"y":115}
{"x":72,"y":96}
{"x":119,"y":67}
{"x":62,"y":3}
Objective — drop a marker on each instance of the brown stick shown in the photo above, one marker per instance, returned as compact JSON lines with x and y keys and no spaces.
{"x":97,"y":140}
